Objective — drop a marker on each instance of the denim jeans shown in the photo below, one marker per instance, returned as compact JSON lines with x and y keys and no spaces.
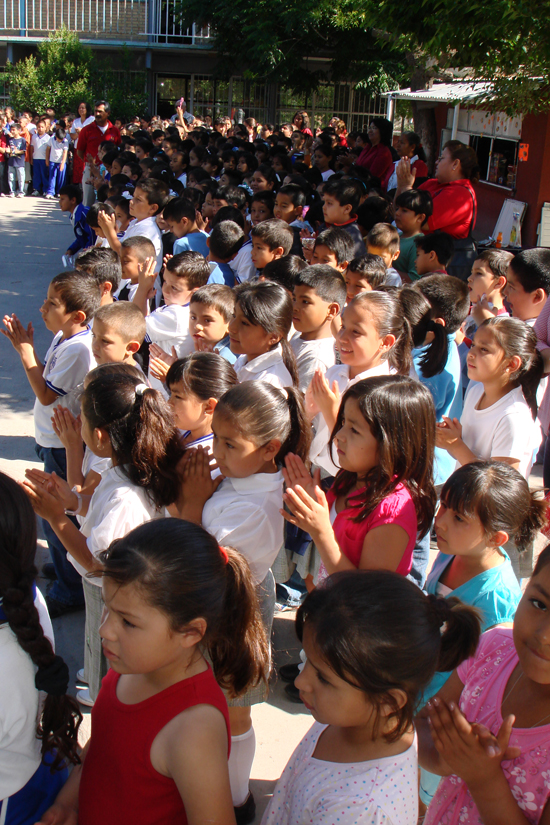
{"x":421,"y":557}
{"x":16,"y":175}
{"x":68,"y":587}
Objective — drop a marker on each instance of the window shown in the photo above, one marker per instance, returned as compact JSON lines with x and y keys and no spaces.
{"x":497,"y":159}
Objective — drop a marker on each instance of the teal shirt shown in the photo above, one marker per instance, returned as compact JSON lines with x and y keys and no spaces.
{"x":407,"y":257}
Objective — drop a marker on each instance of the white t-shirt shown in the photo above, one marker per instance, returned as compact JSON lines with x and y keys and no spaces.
{"x":242,"y":264}
{"x":377,"y":792}
{"x":328,"y":174}
{"x":66,"y":365}
{"x":147,"y":229}
{"x":168,"y":326}
{"x":20,"y":707}
{"x":39,"y":144}
{"x":94,"y":462}
{"x":57,"y":149}
{"x":78,"y":123}
{"x":116,"y":507}
{"x":504,"y":429}
{"x":311,"y":355}
{"x":244,"y":513}
{"x":268,"y":367}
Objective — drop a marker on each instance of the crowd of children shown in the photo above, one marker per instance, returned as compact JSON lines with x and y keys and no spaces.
{"x":262,"y":369}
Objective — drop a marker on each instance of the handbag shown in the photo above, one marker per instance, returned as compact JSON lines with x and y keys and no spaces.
{"x":465,"y":249}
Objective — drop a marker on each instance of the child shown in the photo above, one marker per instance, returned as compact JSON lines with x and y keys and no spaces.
{"x":39,"y":142}
{"x":262,"y":207}
{"x":284,"y":271}
{"x":372,"y":641}
{"x":528,"y":284}
{"x":258,"y":334}
{"x":322,"y":158}
{"x":487,"y":283}
{"x":210,"y":310}
{"x":341,"y":200}
{"x":126,"y":421}
{"x":483,"y":504}
{"x":334,"y":247}
{"x":104,"y":265}
{"x":160,"y":727}
{"x":17,"y":147}
{"x":433,"y":253}
{"x":181,"y":217}
{"x":383,"y":240}
{"x":412,"y":210}
{"x":118,"y":331}
{"x":70,"y":200}
{"x":289,"y":205}
{"x":92,"y":221}
{"x":319,"y":295}
{"x":224,"y":242}
{"x":364,"y":274}
{"x":72,"y":300}
{"x":271,"y":239}
{"x":134,"y":252}
{"x":499,"y":416}
{"x":39,"y":732}
{"x":56,"y":161}
{"x":179,"y":161}
{"x":490,"y":722}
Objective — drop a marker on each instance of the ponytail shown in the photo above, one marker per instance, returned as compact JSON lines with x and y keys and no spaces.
{"x":535,"y":520}
{"x":289,"y":360}
{"x":418,"y":310}
{"x":461,"y":630}
{"x":299,"y":438}
{"x":529,"y":381}
{"x":389,"y":319}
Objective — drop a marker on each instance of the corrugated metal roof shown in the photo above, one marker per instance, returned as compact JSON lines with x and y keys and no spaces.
{"x":444,"y":92}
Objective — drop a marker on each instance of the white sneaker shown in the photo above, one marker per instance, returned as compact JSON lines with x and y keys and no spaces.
{"x":83,"y":696}
{"x":20,"y":195}
{"x":48,"y":197}
{"x":11,"y":195}
{"x":80,"y":676}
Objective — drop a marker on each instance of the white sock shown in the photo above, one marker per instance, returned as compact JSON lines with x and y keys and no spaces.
{"x":243,"y":748}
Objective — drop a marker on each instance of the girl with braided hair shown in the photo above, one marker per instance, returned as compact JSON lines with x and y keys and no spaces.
{"x":38,"y":734}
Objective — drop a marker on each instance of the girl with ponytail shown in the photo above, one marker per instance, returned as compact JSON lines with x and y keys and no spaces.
{"x":160,"y":728}
{"x":255,"y":426}
{"x":131,"y":424}
{"x":38,"y":721}
{"x":373,"y":640}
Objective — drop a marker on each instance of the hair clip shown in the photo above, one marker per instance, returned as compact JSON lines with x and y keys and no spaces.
{"x":223,"y":553}
{"x":140,"y":389}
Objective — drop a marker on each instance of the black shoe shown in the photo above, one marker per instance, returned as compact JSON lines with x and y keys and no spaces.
{"x":57,"y":609}
{"x":289,"y":672}
{"x":293,"y":694}
{"x":246,"y":813}
{"x":48,"y":571}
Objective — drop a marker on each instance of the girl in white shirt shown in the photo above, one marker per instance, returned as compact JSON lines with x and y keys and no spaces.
{"x":33,"y":680}
{"x":132,"y":425}
{"x":258,"y":334}
{"x":255,"y":426}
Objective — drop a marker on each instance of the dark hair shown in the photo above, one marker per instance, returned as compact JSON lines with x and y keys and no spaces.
{"x":228,"y":213}
{"x":122,"y":203}
{"x":270,"y":176}
{"x":373,"y":210}
{"x":233,"y":176}
{"x":102,"y":263}
{"x":385,"y":127}
{"x":414,"y":140}
{"x":61,"y":717}
{"x":234,"y":195}
{"x":439,"y":242}
{"x":265,"y":196}
{"x":327,"y":283}
{"x":387,"y":316}
{"x":249,"y":158}
{"x":198,"y":174}
{"x":268,"y":305}
{"x":88,"y":108}
{"x":156,"y":192}
{"x":500,"y":497}
{"x":105,"y":104}
{"x":60,"y":133}
{"x":345,"y":191}
{"x":93,"y":213}
{"x":284,"y":270}
{"x":200,"y":153}
{"x":205,"y":374}
{"x":384,"y":236}
{"x":196,"y":196}
{"x":180,"y":570}
{"x":190,"y":265}
{"x":212,"y":158}
{"x":78,"y":291}
{"x":125,"y":318}
{"x":110,"y":157}
{"x":294,"y":192}
{"x":497,"y":260}
{"x":275,"y":233}
{"x":532,"y":269}
{"x":542,"y":561}
{"x":72,"y":191}
{"x":380,"y":633}
{"x":339,"y":242}
{"x":419,"y":312}
{"x":179,"y":208}
{"x":305,"y":119}
{"x":417,"y":200}
{"x":143,"y":436}
{"x":225,"y":240}
{"x":515,"y":337}
{"x":371,"y":267}
{"x":261,"y":412}
{"x":217,"y":296}
{"x":142,"y":246}
{"x":468,"y":159}
{"x":146,"y":146}
{"x":449,"y":297}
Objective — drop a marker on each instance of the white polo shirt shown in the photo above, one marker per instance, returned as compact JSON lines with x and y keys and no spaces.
{"x":39,"y":144}
{"x":168,"y":326}
{"x":268,"y":367}
{"x":311,"y":355}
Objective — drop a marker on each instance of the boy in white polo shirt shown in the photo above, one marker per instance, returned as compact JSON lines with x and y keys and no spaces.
{"x":72,"y":300}
{"x":56,"y":161}
{"x":39,"y":142}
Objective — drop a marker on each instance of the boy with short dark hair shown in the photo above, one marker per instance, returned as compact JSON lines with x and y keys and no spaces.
{"x":70,"y":200}
{"x":284,"y":271}
{"x":334,"y":247}
{"x":210,"y":311}
{"x":487,"y":282}
{"x":72,"y":300}
{"x":104,"y":265}
{"x":262,"y":207}
{"x":118,"y":332}
{"x":230,"y":196}
{"x":383,"y":240}
{"x":341,"y":199}
{"x":364,"y":274}
{"x":271,"y":239}
{"x":134,"y":252}
{"x":224,"y":242}
{"x":412,"y":210}
{"x":528,"y":284}
{"x":433,"y":253}
{"x":180,"y":215}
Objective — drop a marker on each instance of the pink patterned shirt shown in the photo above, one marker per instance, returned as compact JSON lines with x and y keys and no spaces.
{"x":485,"y":677}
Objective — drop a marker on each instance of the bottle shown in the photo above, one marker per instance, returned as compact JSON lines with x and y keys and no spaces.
{"x":514,"y":232}
{"x":498,"y":242}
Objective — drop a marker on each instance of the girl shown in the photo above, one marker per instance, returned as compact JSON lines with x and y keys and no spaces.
{"x":259,"y":332}
{"x":255,"y":427}
{"x":499,"y":416}
{"x":160,"y":739}
{"x":483,"y":504}
{"x":247,"y":164}
{"x":37,"y":733}
{"x":490,"y":722}
{"x":322,"y":160}
{"x":383,"y":495}
{"x":374,"y":339}
{"x":372,"y":641}
{"x":126,"y":421}
{"x":264,"y":178}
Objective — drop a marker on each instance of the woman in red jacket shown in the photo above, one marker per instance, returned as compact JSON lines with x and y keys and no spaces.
{"x":377,"y":158}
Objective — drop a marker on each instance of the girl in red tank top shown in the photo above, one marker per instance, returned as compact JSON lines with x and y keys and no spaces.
{"x":160,"y":742}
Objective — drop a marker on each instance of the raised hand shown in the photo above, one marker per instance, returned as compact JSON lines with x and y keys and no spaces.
{"x":66,"y":427}
{"x":296,"y":474}
{"x":310,"y":513}
{"x":17,"y":334}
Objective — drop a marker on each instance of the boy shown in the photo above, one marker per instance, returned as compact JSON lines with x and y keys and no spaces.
{"x":364,"y":274}
{"x":341,"y":200}
{"x":319,"y":296}
{"x":433,"y":253}
{"x":528,"y":284}
{"x":70,"y":200}
{"x":133,"y":254}
{"x":180,"y":215}
{"x":283,"y":271}
{"x":17,"y":147}
{"x":210,"y":311}
{"x":224,"y":243}
{"x":39,"y":142}
{"x":412,"y":210}
{"x":230,"y":196}
{"x":92,"y":221}
{"x":56,"y":161}
{"x":104,"y":265}
{"x":271,"y":239}
{"x":118,"y":333}
{"x":487,"y":282}
{"x":334,"y":247}
{"x":72,"y":300}
{"x":383,"y":240}
{"x":289,"y":205}
{"x":262,"y":207}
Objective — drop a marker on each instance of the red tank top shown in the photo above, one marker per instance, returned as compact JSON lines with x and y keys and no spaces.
{"x":118,"y":782}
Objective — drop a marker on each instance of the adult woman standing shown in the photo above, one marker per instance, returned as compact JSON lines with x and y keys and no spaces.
{"x":84,"y":118}
{"x":300,"y":121}
{"x":377,"y":158}
{"x":408,"y":146}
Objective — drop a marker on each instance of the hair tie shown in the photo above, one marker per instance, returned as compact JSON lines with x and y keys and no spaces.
{"x":439,"y":609}
{"x":223,"y":554}
{"x":53,"y":679}
{"x":140,"y":389}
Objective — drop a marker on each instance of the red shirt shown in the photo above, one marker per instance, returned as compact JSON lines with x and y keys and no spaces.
{"x":455,"y":206}
{"x":91,"y":136}
{"x":377,"y":159}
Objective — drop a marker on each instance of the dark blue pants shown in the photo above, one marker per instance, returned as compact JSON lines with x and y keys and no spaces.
{"x":421,"y":557}
{"x":56,"y":178}
{"x":27,"y":805}
{"x":40,"y":176}
{"x":68,"y":587}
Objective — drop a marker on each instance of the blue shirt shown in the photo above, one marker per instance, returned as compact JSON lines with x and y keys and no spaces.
{"x":193,"y":242}
{"x":85,"y":235}
{"x":223,"y":349}
{"x":222,"y":274}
